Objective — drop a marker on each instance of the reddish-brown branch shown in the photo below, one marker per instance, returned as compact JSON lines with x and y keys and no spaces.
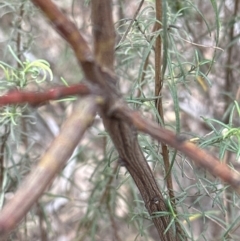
{"x":199,"y":156}
{"x":93,"y":72}
{"x":36,"y":98}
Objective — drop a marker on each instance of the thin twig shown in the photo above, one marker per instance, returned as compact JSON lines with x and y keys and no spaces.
{"x":131,"y":23}
{"x":19,"y":28}
{"x":229,"y":77}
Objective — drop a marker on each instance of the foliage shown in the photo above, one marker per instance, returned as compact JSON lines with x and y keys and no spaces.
{"x":200,"y":100}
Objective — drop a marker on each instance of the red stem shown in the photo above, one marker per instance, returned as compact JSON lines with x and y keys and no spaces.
{"x":35,"y":98}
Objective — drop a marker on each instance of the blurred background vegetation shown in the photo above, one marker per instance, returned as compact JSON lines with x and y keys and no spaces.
{"x":94,"y":198}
